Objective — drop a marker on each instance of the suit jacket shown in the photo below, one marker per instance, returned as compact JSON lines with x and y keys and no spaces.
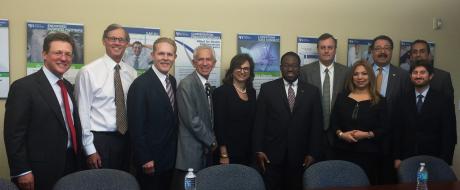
{"x":152,"y":121}
{"x":430,"y":132}
{"x":442,"y":82}
{"x":278,"y":132}
{"x":35,"y":132}
{"x":311,"y":74}
{"x":196,"y":133}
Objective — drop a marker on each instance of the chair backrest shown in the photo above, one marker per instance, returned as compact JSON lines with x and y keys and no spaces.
{"x":438,"y":170}
{"x":229,"y":177}
{"x":7,"y":185}
{"x":334,"y":173}
{"x":97,"y":179}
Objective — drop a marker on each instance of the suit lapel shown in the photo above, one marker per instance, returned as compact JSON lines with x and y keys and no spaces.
{"x":316,"y":75}
{"x":338,"y":73}
{"x":157,"y":83}
{"x":47,"y":93}
{"x":299,"y":96}
{"x":391,"y":84}
{"x":282,"y":89}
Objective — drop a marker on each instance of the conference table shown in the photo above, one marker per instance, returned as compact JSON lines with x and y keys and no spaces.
{"x":454,"y":185}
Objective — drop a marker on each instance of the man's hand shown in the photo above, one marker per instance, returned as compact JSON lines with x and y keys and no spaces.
{"x":308,"y":161}
{"x":149,"y":167}
{"x":348,"y":136}
{"x":94,"y":161}
{"x":397,"y":164}
{"x":26,"y":182}
{"x":262,"y":159}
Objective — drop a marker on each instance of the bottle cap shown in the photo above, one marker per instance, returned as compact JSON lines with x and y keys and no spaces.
{"x":422,"y":163}
{"x":190,"y":169}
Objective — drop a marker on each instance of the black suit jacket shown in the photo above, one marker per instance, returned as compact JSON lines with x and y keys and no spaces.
{"x":430,"y":132}
{"x":35,"y":131}
{"x":278,"y":132}
{"x":152,"y":121}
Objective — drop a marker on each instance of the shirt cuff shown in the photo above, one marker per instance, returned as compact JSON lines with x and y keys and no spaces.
{"x":90,"y":149}
{"x":23,"y":174}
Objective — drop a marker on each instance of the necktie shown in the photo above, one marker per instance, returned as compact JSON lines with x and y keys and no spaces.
{"x":291,"y":97}
{"x":136,"y":63}
{"x":326,"y":99}
{"x":419,"y":103}
{"x":379,"y":79}
{"x":122,"y":125}
{"x":170,"y":92}
{"x":208,"y":94}
{"x":68,"y":115}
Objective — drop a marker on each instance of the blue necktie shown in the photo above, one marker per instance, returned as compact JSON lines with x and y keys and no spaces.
{"x":419,"y":103}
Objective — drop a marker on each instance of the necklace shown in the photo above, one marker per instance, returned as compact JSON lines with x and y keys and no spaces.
{"x":242,"y":91}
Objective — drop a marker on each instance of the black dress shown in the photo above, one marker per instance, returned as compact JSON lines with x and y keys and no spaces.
{"x":349,"y":114}
{"x":233,"y":122}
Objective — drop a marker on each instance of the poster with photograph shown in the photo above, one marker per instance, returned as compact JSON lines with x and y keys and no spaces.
{"x":4,"y":59}
{"x":404,"y":53}
{"x":186,"y":42}
{"x":36,"y":33}
{"x":140,"y":46}
{"x":306,"y":48}
{"x":265,"y":51}
{"x":359,"y":49}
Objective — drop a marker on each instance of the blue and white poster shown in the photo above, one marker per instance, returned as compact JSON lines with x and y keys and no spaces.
{"x":359,"y":49}
{"x":265,"y":51}
{"x":404,"y":53}
{"x":4,"y":59}
{"x":186,"y":42}
{"x":140,"y":46}
{"x":306,"y":48}
{"x":36,"y":33}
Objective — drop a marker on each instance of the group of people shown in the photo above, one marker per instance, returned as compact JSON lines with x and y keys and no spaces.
{"x":373,"y":114}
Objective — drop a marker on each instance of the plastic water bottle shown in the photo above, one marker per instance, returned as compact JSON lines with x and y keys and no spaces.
{"x":422,"y":177}
{"x":189,"y":181}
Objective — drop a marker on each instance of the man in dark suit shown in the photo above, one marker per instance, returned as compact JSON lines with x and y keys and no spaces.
{"x":42,"y":128}
{"x":152,"y":118}
{"x":196,"y":138}
{"x":427,"y":127}
{"x":391,"y":82}
{"x":288,"y":127}
{"x":329,"y":77}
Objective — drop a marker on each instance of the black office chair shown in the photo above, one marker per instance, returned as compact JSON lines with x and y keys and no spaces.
{"x":97,"y":179}
{"x":334,"y":173}
{"x":229,"y":177}
{"x":7,"y":185}
{"x":438,"y":170}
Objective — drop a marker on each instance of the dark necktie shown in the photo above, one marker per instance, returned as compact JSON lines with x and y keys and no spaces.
{"x":207,"y":87}
{"x":291,"y":97}
{"x":326,"y":99}
{"x":136,"y":62}
{"x":170,"y":92}
{"x":122,"y":125}
{"x":419,"y":103}
{"x":68,"y":116}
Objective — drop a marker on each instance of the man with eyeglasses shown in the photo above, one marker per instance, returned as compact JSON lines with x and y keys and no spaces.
{"x":391,"y":82}
{"x":42,"y":129}
{"x":288,"y":127}
{"x":328,"y":76}
{"x":101,"y":89}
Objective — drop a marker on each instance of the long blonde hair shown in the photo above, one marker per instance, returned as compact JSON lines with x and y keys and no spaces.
{"x":374,"y":94}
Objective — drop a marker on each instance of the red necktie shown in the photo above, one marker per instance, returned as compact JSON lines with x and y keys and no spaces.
{"x":68,"y":115}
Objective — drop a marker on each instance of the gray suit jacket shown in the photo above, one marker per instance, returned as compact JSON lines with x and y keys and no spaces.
{"x":311,"y":74}
{"x":196,"y":133}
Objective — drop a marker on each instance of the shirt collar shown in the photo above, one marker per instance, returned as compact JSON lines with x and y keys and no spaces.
{"x":111,"y":63}
{"x":323,"y":67}
{"x":286,"y":83}
{"x":202,"y":79}
{"x":160,"y":75}
{"x":424,"y":92}
{"x":50,"y":76}
{"x":384,"y":68}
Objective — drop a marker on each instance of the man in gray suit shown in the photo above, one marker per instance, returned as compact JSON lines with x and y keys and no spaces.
{"x":196,"y":139}
{"x":392,"y":82}
{"x":329,"y":77}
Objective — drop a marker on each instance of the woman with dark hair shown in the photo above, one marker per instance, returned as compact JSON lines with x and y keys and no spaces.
{"x":234,"y":110}
{"x":359,"y":121}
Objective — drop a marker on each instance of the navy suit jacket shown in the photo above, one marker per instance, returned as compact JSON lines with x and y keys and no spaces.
{"x":152,"y":121}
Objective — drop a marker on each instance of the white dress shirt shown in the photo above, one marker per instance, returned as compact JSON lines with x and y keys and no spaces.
{"x":322,"y":69}
{"x":160,"y":76}
{"x":294,"y":87}
{"x":95,"y":93}
{"x":423,"y":93}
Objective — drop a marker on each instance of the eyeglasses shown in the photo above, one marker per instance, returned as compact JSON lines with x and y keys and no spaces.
{"x":244,"y":69}
{"x":115,"y":39}
{"x":61,"y":53}
{"x":386,"y":48}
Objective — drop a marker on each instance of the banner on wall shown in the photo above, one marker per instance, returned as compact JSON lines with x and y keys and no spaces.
{"x":265,"y":51}
{"x":404,"y":53}
{"x":36,"y":33}
{"x":186,"y":42}
{"x":359,"y":49}
{"x":4,"y":59}
{"x":306,"y":48}
{"x":140,"y":46}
